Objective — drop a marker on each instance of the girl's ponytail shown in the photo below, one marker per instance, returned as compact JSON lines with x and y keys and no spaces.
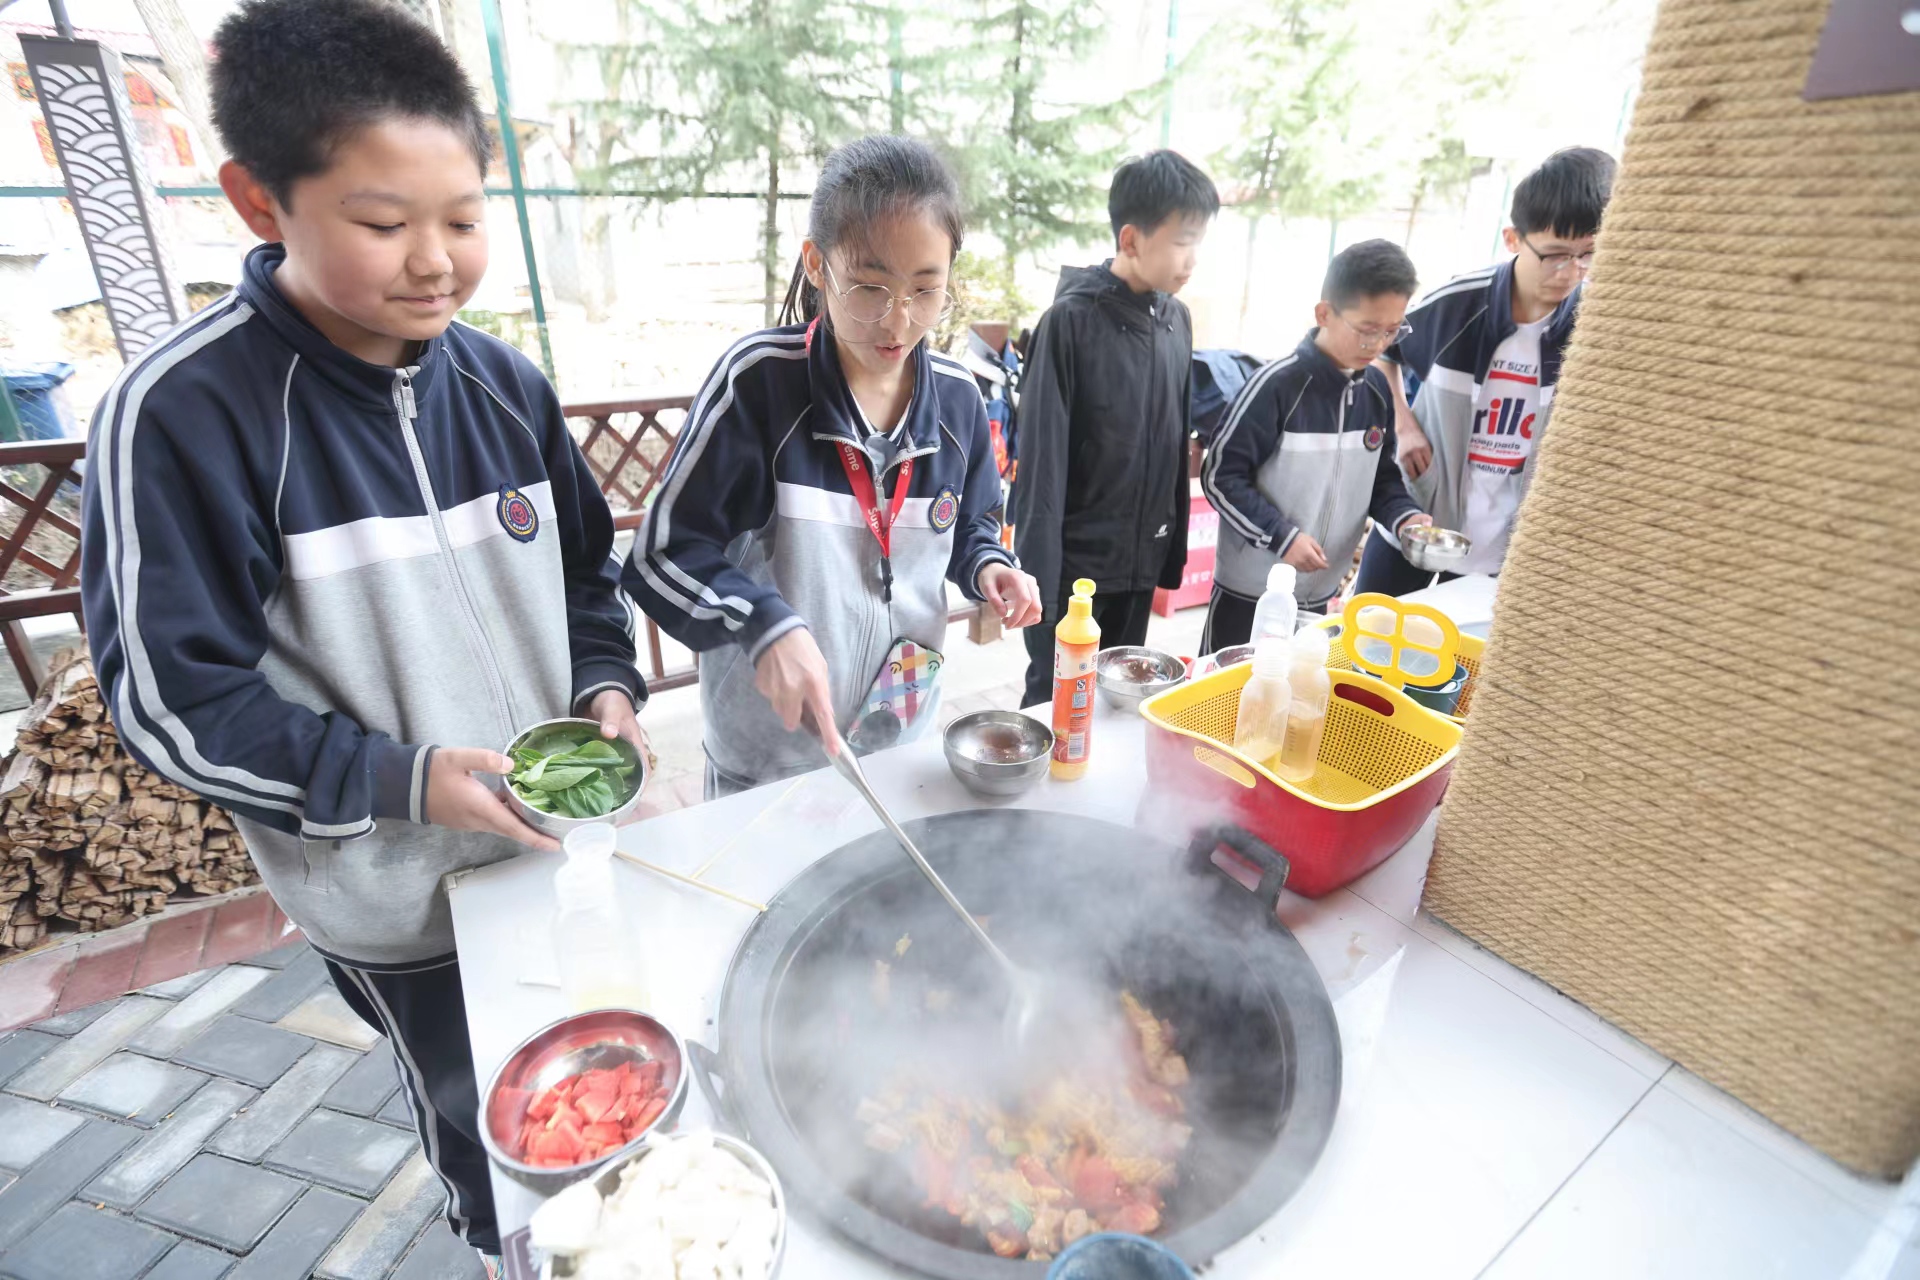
{"x":803,"y":300}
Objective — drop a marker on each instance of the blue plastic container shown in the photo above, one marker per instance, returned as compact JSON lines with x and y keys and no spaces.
{"x":1111,"y":1255}
{"x":40,"y":399}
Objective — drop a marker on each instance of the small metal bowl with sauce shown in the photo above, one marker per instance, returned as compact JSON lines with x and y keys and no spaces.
{"x":998,"y":753}
{"x":1130,"y":674}
{"x":1432,"y":549}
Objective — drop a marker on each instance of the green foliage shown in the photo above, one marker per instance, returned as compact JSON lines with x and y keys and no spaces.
{"x":984,"y":289}
{"x":573,"y":774}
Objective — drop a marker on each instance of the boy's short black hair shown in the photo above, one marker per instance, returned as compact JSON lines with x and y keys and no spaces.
{"x":1367,"y":270}
{"x":1566,"y":195}
{"x":1149,"y":189}
{"x":292,"y":79}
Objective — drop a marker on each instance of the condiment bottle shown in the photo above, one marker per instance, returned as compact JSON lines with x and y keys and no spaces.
{"x":1277,"y":611}
{"x":598,"y":969}
{"x":1075,"y":642}
{"x":1261,"y":726}
{"x":1312,"y":688}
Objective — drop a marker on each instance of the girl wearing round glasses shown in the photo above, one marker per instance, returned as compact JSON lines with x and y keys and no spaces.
{"x":832,"y":476}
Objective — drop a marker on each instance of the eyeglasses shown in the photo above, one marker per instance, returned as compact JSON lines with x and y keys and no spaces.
{"x":872,"y":303}
{"x":1554,"y":263}
{"x":1376,"y":339}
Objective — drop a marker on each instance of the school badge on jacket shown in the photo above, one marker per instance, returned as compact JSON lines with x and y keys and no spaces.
{"x":945,"y":509}
{"x":517,"y":515}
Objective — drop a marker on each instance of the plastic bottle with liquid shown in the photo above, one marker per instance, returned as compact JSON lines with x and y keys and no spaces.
{"x":1261,"y":726}
{"x":1278,"y":612}
{"x":1075,"y":642}
{"x":1312,"y":689}
{"x":598,"y":968}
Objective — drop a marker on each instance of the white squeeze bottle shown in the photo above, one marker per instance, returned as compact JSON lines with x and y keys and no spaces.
{"x":1262,"y":723}
{"x":598,"y":969}
{"x":1307,"y":717}
{"x":1277,"y":611}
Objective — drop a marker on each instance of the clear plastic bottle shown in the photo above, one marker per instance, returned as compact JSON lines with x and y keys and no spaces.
{"x":1261,"y":726}
{"x":1278,"y":612}
{"x":1312,"y":688}
{"x":598,"y":968}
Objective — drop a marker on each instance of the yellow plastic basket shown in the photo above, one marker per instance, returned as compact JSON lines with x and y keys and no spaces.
{"x":1384,"y":763}
{"x":1467,"y":653}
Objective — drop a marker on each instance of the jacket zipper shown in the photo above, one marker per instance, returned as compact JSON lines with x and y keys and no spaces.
{"x":1141,"y":543}
{"x":1327,"y":505}
{"x":404,"y":405}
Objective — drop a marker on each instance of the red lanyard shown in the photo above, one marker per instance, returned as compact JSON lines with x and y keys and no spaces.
{"x":860,"y":480}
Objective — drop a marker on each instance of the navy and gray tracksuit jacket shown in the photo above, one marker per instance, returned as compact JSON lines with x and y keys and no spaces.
{"x":303,"y":572}
{"x":754,"y":531}
{"x":1307,"y":447}
{"x":1456,"y":330}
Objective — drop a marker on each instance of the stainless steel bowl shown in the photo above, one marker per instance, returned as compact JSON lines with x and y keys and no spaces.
{"x":998,"y":753}
{"x":576,"y":1043}
{"x":1232,"y":655}
{"x":608,"y":1181}
{"x":1130,"y":674}
{"x":1431,"y":549}
{"x":554,"y":824}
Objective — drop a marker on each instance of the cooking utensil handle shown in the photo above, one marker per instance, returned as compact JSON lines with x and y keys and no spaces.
{"x":1251,"y":849}
{"x":850,"y":769}
{"x":705,"y":1064}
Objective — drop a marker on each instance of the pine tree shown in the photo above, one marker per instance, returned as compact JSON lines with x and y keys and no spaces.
{"x":1452,"y":76}
{"x":1294,"y":80}
{"x":1037,"y":169}
{"x":697,"y":91}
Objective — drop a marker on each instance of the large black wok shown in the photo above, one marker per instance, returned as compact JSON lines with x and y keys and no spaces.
{"x":804,"y":1035}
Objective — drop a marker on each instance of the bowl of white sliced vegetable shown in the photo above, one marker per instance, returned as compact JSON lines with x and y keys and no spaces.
{"x":694,"y":1206}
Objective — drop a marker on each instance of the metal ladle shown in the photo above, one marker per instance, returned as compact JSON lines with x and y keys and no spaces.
{"x":1023,"y":1013}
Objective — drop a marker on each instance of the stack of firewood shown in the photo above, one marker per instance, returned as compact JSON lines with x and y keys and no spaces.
{"x":87,"y":835}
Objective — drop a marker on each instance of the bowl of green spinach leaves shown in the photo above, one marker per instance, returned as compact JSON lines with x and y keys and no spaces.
{"x":566,"y":775}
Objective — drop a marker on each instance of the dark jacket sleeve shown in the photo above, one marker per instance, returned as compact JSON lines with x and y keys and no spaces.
{"x":717,"y":485}
{"x":599,"y":619}
{"x":1173,"y":572}
{"x":181,"y":554}
{"x":1248,"y":436}
{"x":1040,"y":490}
{"x":1416,"y":352}
{"x":976,"y":536}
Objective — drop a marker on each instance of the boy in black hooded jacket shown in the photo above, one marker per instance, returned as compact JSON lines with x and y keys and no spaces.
{"x":1105,"y":414}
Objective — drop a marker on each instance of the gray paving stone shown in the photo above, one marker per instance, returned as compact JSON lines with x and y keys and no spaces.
{"x":252,"y":1134}
{"x":21,"y":1049}
{"x":281,"y":956}
{"x":28,"y":1130}
{"x":245,"y":1050}
{"x":58,"y":1174}
{"x":342,"y":1151}
{"x":179,"y":989}
{"x":368,"y":1251}
{"x":167,"y":1148}
{"x":221,"y":1202}
{"x":397,"y":1111}
{"x":190,"y":1261}
{"x":123,"y":1020}
{"x":297,"y":1240}
{"x":367,"y":1086}
{"x":441,"y":1255}
{"x":325,"y":1015}
{"x":132,"y":1088}
{"x":191,"y":1016}
{"x":78,"y":1243}
{"x":282,"y":993}
{"x":73,"y":1021}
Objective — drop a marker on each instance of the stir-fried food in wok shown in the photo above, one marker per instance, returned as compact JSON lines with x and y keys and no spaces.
{"x":1092,"y":1150}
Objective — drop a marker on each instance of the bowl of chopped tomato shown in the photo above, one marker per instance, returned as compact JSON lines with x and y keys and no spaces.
{"x":582,"y":1093}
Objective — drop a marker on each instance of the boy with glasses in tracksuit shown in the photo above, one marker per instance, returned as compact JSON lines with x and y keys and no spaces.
{"x":1304,"y":457}
{"x":1484,"y":358}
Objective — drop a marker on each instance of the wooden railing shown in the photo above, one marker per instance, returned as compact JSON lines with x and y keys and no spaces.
{"x":40,"y":553}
